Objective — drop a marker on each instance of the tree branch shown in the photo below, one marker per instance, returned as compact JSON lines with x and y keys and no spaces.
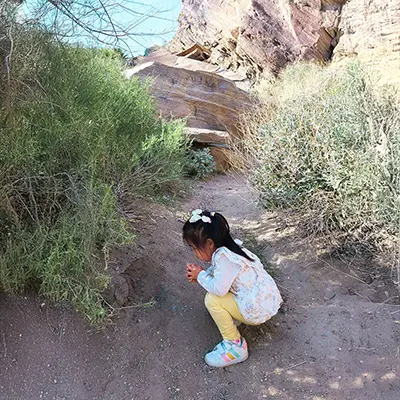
{"x":97,"y":19}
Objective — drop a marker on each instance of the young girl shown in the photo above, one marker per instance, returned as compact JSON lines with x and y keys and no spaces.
{"x":239,"y":290}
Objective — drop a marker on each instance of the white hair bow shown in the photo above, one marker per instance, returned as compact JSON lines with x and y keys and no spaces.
{"x":196,"y":216}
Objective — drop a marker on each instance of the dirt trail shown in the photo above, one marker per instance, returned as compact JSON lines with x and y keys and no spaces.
{"x":337,"y":339}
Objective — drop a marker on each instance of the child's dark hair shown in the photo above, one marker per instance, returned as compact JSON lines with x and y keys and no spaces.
{"x":197,"y":233}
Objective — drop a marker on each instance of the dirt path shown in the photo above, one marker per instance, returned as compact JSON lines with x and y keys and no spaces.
{"x":337,"y":339}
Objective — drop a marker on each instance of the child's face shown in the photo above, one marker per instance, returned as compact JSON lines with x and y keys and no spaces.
{"x":205,"y":253}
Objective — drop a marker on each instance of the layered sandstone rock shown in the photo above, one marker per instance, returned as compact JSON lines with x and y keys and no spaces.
{"x":259,"y":36}
{"x":184,"y":60}
{"x":210,"y":103}
{"x":208,"y":136}
{"x":206,"y":100}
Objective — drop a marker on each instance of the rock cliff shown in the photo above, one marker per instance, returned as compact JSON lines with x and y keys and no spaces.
{"x":370,"y":30}
{"x":257,"y":37}
{"x":260,"y":36}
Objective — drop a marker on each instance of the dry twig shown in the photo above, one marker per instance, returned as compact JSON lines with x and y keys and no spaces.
{"x":279,"y":370}
{"x":341,"y":272}
{"x":4,"y":345}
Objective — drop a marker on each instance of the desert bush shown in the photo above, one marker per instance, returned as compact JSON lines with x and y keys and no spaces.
{"x":327,"y":142}
{"x":73,"y":134}
{"x":200,"y":163}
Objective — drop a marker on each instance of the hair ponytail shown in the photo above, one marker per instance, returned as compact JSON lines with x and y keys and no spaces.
{"x":216,"y":228}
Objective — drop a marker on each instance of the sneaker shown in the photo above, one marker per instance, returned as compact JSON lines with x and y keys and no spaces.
{"x":227,"y":353}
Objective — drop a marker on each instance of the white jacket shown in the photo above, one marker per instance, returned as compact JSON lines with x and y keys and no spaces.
{"x":255,"y":291}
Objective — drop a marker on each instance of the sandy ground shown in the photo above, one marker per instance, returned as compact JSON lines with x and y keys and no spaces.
{"x":337,"y":337}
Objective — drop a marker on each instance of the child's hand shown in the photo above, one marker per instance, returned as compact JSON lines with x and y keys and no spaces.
{"x":192,"y":272}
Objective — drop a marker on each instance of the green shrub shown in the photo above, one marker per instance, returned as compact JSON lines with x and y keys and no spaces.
{"x":73,"y":134}
{"x":200,"y":163}
{"x":328,"y":142}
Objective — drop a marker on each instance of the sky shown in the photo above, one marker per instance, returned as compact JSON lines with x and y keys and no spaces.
{"x":152,"y":21}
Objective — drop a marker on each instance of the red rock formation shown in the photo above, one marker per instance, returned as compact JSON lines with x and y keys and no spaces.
{"x":206,"y":100}
{"x":211,"y":104}
{"x":259,"y":36}
{"x":263,"y":36}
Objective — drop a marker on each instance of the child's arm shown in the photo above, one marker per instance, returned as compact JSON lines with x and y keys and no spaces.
{"x":221,"y":281}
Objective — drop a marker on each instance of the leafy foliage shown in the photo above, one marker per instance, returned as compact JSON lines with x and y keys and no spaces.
{"x":201,"y":163}
{"x":73,"y":134}
{"x":328,"y":142}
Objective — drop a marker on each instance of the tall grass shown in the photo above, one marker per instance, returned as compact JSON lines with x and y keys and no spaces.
{"x":327,"y":142}
{"x":73,"y":133}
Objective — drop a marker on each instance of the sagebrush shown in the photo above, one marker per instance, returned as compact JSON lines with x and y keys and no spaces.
{"x":73,"y":135}
{"x":326,"y":141}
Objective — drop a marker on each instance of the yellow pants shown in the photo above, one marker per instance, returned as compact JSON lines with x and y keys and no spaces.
{"x":223,"y":310}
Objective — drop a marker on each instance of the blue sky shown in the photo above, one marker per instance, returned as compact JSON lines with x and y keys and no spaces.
{"x":158,"y":28}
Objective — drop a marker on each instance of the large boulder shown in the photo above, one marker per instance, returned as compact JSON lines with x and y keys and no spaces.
{"x":185,"y":60}
{"x":198,"y":92}
{"x":207,"y":100}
